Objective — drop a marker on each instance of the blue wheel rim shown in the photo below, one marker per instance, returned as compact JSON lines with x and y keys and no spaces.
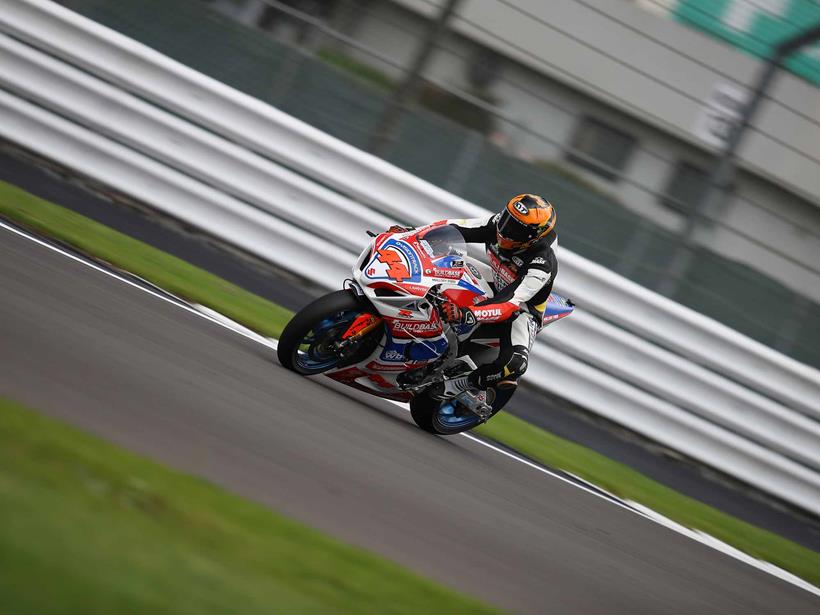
{"x":313,"y":354}
{"x":455,"y":416}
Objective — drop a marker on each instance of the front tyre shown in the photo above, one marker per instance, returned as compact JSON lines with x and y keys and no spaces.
{"x":447,"y":418}
{"x":308,"y":344}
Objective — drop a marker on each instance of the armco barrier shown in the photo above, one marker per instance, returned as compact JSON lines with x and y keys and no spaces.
{"x":168,"y":190}
{"x":209,"y":161}
{"x":210,"y":158}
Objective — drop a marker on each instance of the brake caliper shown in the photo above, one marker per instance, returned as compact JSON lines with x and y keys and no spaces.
{"x":364,"y":324}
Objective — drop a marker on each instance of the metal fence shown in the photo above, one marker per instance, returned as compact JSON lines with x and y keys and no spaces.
{"x":311,"y":84}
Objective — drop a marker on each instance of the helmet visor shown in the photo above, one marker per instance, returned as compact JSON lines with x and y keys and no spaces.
{"x":512,"y":232}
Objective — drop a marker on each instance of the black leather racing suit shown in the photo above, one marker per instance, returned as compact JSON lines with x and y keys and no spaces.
{"x":522,"y":282}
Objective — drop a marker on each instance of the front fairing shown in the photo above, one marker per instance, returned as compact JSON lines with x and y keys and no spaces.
{"x":396,"y":273}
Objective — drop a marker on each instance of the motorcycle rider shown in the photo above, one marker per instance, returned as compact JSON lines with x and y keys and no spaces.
{"x":521,"y":242}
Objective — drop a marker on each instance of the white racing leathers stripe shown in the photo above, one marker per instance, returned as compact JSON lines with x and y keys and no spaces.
{"x":533,"y":281}
{"x":523,"y":330}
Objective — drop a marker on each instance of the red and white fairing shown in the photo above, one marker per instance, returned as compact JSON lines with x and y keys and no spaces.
{"x":395,"y":272}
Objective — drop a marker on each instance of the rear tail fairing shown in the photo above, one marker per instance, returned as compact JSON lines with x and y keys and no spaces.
{"x":557,"y":307}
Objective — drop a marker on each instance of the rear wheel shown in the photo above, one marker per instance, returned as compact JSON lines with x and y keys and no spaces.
{"x":450,"y":417}
{"x":309,"y":343}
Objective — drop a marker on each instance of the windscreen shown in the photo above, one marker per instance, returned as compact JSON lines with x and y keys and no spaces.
{"x":442,"y":241}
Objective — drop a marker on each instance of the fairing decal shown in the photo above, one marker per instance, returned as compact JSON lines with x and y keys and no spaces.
{"x":465,"y":284}
{"x":396,"y":261}
{"x":413,"y":350}
{"x":376,"y":383}
{"x":494,"y":312}
{"x":556,"y":307}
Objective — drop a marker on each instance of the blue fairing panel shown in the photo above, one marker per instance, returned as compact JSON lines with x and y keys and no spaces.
{"x":400,"y":351}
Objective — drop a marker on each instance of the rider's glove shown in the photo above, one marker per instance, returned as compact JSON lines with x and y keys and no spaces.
{"x":399,"y":229}
{"x":451,"y":313}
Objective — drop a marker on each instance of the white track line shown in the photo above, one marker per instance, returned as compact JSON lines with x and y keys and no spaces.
{"x":177,"y":302}
{"x":223,"y":321}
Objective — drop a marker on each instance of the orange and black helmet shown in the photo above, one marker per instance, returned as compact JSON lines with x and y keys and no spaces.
{"x":526,"y":219}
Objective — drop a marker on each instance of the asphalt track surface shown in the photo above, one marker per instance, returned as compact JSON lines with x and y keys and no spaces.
{"x":549,"y":412}
{"x":156,"y":379}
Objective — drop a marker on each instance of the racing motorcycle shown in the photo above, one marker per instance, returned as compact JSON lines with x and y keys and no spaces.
{"x":383,"y":333}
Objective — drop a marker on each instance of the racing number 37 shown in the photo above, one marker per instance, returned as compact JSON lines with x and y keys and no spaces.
{"x":397,"y":270}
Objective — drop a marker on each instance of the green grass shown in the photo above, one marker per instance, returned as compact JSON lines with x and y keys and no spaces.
{"x":192,"y":283}
{"x":86,"y":527}
{"x":626,"y":483}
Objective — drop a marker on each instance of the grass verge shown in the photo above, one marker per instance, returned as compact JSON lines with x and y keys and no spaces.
{"x":256,"y":313}
{"x":86,"y":527}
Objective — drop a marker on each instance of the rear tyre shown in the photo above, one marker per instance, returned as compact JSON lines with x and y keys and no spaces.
{"x":306,"y":345}
{"x":447,"y":418}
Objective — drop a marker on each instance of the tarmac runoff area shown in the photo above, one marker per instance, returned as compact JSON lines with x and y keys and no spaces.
{"x":156,"y":377}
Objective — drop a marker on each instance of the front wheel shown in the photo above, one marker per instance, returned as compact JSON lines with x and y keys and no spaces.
{"x":449,"y":417}
{"x":309,"y":343}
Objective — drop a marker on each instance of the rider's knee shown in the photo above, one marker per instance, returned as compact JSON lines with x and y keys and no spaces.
{"x":503,"y":372}
{"x":518,"y":362}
